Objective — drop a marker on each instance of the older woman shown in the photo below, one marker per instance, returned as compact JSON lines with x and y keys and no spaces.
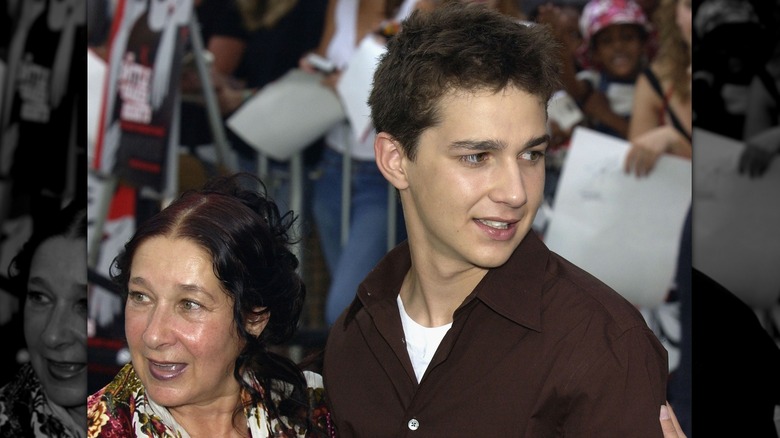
{"x":210,"y":282}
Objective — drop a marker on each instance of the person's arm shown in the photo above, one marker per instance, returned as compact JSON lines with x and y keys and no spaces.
{"x":762,"y":112}
{"x":619,"y":391}
{"x":226,"y":44}
{"x":650,"y":139}
{"x":227,"y":52}
{"x":328,"y":30}
{"x":645,"y":109}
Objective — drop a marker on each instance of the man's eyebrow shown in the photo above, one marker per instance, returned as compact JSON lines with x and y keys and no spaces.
{"x":491,"y":145}
{"x":537,"y":141}
{"x":478,"y":145}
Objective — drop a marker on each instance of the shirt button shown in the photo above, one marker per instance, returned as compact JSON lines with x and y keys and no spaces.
{"x":413,"y":424}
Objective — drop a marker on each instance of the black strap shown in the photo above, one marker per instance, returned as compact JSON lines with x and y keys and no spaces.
{"x":656,"y":84}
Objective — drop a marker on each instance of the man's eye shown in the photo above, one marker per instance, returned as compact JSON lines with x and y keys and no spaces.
{"x":474,"y":158}
{"x":532,"y":155}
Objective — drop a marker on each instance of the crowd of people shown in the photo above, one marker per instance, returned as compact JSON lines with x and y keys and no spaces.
{"x":626,"y":65}
{"x":429,"y":306}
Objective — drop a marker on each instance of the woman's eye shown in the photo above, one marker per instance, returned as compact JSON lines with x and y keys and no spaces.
{"x":38,"y":298}
{"x":191,"y":305}
{"x":137,"y":297}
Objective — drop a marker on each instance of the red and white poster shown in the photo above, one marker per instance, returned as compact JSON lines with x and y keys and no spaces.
{"x":145,"y":50}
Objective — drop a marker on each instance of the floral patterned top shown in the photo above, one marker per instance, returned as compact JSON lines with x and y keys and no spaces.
{"x":25,"y":411}
{"x":122,"y":409}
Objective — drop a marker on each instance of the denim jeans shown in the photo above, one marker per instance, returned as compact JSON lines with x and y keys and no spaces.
{"x":367,"y":241}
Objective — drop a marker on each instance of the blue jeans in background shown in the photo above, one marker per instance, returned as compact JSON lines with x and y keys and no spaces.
{"x":367,"y":242}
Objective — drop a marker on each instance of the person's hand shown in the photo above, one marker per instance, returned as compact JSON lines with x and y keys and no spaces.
{"x":759,"y":151}
{"x":669,"y":424}
{"x":754,"y":161}
{"x":648,"y":147}
{"x":643,"y":155}
{"x":305,"y":65}
{"x":230,"y":99}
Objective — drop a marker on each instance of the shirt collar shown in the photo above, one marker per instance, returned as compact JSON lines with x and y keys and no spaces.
{"x":513,"y":290}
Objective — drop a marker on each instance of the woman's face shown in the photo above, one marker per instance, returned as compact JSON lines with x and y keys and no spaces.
{"x":55,"y":319}
{"x":179,"y":325}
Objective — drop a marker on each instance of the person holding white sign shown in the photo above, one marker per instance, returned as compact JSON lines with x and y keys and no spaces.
{"x":762,"y":124}
{"x":349,"y":258}
{"x":662,"y":116}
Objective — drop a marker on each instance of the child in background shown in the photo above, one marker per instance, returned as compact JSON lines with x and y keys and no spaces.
{"x":732,"y":46}
{"x":615,"y":34}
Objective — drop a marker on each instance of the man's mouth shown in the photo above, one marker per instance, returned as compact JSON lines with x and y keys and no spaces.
{"x":494,"y":224}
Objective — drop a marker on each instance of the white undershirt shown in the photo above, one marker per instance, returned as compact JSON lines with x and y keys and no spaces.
{"x":421,"y":341}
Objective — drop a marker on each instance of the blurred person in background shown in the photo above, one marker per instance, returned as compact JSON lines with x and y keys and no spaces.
{"x":47,"y":397}
{"x":225,"y":39}
{"x":347,"y":23}
{"x":615,"y":35}
{"x":279,"y":33}
{"x":762,"y":120}
{"x":728,"y":33}
{"x":662,"y":114}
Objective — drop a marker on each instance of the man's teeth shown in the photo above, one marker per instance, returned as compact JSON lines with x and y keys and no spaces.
{"x":495,"y":224}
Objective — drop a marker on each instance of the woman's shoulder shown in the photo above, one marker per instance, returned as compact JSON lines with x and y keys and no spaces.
{"x":313,"y":379}
{"x":17,"y":402}
{"x":110,"y":409}
{"x":319,"y":412}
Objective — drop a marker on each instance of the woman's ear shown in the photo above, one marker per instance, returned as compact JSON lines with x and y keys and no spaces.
{"x":389,"y":159}
{"x":257,"y":320}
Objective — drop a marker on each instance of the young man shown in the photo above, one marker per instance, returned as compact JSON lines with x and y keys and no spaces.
{"x":473,"y":327}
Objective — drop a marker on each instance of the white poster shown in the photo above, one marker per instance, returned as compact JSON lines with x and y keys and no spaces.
{"x":287,"y":115}
{"x":735,"y":221}
{"x":622,"y":229}
{"x":355,"y":84}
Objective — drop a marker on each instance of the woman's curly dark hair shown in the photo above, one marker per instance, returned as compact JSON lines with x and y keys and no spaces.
{"x":249,"y":244}
{"x":70,"y":222}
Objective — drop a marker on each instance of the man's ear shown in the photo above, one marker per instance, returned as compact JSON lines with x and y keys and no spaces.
{"x":389,"y":159}
{"x":257,"y":320}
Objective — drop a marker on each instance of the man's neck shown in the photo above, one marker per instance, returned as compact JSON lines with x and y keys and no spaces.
{"x":431,"y":294}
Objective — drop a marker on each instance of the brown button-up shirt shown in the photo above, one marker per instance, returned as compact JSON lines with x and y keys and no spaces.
{"x":540,"y":348}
